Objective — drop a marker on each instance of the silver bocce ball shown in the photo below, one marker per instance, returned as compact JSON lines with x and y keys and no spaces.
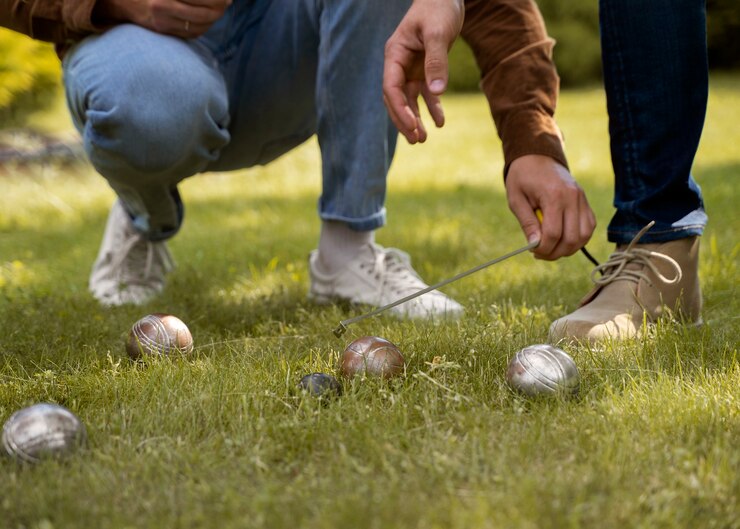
{"x":159,"y":335}
{"x":542,"y":369}
{"x":42,"y":430}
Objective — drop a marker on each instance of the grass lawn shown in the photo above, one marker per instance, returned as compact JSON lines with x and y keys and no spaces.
{"x":221,"y":440}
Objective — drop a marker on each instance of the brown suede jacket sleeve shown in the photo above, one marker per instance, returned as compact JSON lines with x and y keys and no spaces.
{"x":518,"y":76}
{"x":59,"y":21}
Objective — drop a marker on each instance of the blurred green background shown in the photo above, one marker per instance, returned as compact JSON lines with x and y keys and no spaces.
{"x":29,"y":71}
{"x":29,"y":76}
{"x":575,"y":26}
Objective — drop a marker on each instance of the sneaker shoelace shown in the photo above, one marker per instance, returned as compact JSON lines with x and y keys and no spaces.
{"x":136,"y":249}
{"x":616,"y":267}
{"x":392,"y":267}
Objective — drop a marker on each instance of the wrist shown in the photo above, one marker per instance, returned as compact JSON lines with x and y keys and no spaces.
{"x":108,"y":12}
{"x":545,"y":151}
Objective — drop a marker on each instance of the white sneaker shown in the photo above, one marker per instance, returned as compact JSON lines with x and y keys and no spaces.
{"x":129,"y":269}
{"x":378,"y":276}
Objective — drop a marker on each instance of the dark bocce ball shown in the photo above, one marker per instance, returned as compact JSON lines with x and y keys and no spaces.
{"x":320,"y":385}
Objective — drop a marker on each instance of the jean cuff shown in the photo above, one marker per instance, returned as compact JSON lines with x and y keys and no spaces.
{"x":372,"y":222}
{"x":654,"y":236}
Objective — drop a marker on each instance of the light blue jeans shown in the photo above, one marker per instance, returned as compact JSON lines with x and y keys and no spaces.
{"x":154,"y":109}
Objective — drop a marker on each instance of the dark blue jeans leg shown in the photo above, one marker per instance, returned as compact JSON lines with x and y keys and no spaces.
{"x":656,"y":77}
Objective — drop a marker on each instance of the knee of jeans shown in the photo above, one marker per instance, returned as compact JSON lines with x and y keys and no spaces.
{"x":158,"y":123}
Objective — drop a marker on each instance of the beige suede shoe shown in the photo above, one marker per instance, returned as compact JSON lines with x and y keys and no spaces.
{"x":639,"y":282}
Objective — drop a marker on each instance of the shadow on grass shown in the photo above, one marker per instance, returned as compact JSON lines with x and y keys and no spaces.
{"x":243,"y":267}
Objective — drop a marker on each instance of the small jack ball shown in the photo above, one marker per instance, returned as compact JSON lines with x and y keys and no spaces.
{"x":372,"y":356}
{"x":159,"y":335}
{"x":320,"y":385}
{"x":543,"y":370}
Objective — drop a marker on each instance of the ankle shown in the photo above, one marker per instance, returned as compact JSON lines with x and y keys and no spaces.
{"x":339,"y":244}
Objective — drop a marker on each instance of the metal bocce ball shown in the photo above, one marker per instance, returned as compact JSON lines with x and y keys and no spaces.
{"x":320,"y":385}
{"x":543,"y":370}
{"x":159,"y":335}
{"x":372,"y":356}
{"x":42,"y":430}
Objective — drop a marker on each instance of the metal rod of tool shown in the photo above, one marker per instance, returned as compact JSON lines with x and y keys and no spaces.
{"x":342,"y":328}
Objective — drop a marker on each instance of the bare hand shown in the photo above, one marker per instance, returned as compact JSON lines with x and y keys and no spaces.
{"x":181,"y":18}
{"x":539,"y":182}
{"x":416,"y":63}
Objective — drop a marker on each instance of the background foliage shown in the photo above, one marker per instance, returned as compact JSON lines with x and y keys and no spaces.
{"x":29,"y":76}
{"x":575,"y":26}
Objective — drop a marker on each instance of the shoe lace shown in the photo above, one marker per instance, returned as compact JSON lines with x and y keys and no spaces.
{"x":135,"y":249}
{"x":393,"y":268}
{"x":616,"y":267}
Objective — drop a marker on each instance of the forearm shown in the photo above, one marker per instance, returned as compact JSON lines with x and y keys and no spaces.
{"x":514,"y":54}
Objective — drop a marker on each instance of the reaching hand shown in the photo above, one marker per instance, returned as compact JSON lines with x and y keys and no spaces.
{"x":539,"y":182}
{"x":181,"y":18}
{"x":416,"y":63}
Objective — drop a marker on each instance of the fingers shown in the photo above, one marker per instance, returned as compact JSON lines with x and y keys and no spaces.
{"x":417,"y":51}
{"x":587,"y":220}
{"x":183,"y":28}
{"x":566,"y":227}
{"x":552,"y":231}
{"x":560,"y":231}
{"x":526,"y":216}
{"x":401,"y":95}
{"x":436,"y":44}
{"x":412,"y":96}
{"x":395,"y":92}
{"x":187,"y":19}
{"x":435,"y":62}
{"x":401,"y":99}
{"x":434,"y":104}
{"x":567,"y":223}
